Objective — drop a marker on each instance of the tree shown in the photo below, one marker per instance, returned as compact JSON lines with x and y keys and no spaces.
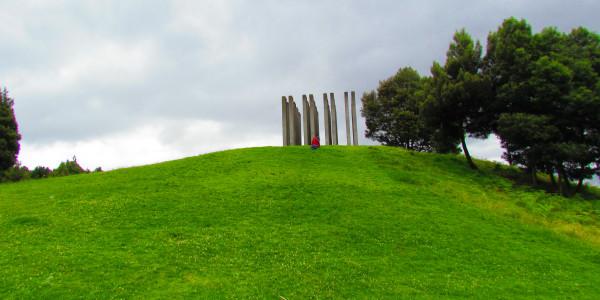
{"x":527,"y":138}
{"x":458,"y":94}
{"x":579,"y":116}
{"x":392,"y":112}
{"x":9,"y":132}
{"x":16,"y":173}
{"x":529,"y":83}
{"x":40,"y":172}
{"x":539,"y":93}
{"x":507,"y":66}
{"x":546,"y":109}
{"x":68,"y":167}
{"x":443,"y":134}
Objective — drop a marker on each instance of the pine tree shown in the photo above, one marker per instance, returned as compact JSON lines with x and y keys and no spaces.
{"x":458,"y":95}
{"x":392,"y":112}
{"x":9,"y":132}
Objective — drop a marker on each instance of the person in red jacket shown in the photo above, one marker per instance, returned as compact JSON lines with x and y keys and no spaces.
{"x":315,"y":144}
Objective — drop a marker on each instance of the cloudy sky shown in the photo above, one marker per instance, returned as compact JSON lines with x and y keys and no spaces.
{"x":121,"y":83}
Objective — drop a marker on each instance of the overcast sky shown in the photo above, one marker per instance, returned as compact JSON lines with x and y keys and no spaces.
{"x":121,"y":83}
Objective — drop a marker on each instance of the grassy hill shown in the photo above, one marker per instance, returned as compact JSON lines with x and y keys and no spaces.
{"x":340,"y":222}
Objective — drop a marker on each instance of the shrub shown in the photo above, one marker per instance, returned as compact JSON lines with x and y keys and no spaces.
{"x":16,"y":173}
{"x":69,"y":167}
{"x":40,"y":172}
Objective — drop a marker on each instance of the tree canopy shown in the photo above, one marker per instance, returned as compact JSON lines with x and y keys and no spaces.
{"x":546,"y":103}
{"x":9,"y":133}
{"x":458,"y":94}
{"x":538,"y":92}
{"x":392,"y":113}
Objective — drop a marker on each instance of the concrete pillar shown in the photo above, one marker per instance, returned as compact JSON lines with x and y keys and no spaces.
{"x":298,"y":127}
{"x":326,"y":120}
{"x":334,"y":130}
{"x":291,"y":120}
{"x":354,"y":125}
{"x":314,"y":117}
{"x":284,"y":120}
{"x":348,"y":139}
{"x":306,"y":120}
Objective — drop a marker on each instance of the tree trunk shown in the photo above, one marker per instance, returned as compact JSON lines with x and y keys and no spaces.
{"x":567,"y":182}
{"x":467,"y":155}
{"x":580,"y":182}
{"x":565,"y":186}
{"x":533,"y":176}
{"x":579,"y":185}
{"x":552,"y":180}
{"x":560,"y":183}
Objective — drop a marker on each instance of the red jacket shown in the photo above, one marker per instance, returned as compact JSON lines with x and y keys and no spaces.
{"x":315,"y":142}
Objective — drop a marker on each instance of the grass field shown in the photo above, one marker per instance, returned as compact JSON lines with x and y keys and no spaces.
{"x":340,"y":222}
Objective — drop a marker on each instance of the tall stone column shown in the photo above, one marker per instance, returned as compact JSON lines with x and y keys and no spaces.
{"x":348,"y":139}
{"x":284,"y":121}
{"x":298,"y":127}
{"x":334,"y":130}
{"x":306,"y":120}
{"x":291,"y":120}
{"x":354,"y":125}
{"x":314,"y":117}
{"x":326,"y":120}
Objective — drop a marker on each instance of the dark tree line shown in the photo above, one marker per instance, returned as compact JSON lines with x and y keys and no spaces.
{"x":9,"y":132}
{"x":65,"y":168}
{"x":538,"y":92}
{"x":10,"y":168}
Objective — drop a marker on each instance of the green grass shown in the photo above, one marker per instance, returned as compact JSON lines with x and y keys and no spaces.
{"x":340,"y":222}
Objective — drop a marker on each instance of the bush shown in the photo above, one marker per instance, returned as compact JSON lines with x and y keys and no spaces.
{"x":40,"y":172}
{"x":16,"y":173}
{"x":69,"y":167}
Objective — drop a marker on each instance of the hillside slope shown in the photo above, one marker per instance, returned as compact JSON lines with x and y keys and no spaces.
{"x":340,"y":222}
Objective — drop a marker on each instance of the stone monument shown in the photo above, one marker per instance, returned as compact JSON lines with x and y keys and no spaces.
{"x":306,"y":108}
{"x":298,"y":129}
{"x":354,"y":126}
{"x":326,"y":120}
{"x":348,"y":138}
{"x":314,"y":117}
{"x":333,"y":119}
{"x":290,"y":122}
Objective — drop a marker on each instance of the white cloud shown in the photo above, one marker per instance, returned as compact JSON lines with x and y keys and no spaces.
{"x":103,"y":62}
{"x":489,"y":148}
{"x":160,"y":141}
{"x":90,"y":78}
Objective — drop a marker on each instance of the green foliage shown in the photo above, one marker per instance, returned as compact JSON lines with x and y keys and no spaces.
{"x":547,"y":100}
{"x":16,"y":173}
{"x":507,"y":64}
{"x":9,"y":132}
{"x":338,"y":223}
{"x":539,"y":93}
{"x":457,"y":95}
{"x":392,"y":113}
{"x":40,"y":172}
{"x":68,"y":167}
{"x":527,"y":138}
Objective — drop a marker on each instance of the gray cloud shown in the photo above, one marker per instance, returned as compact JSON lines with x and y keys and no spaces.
{"x":86,"y":70}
